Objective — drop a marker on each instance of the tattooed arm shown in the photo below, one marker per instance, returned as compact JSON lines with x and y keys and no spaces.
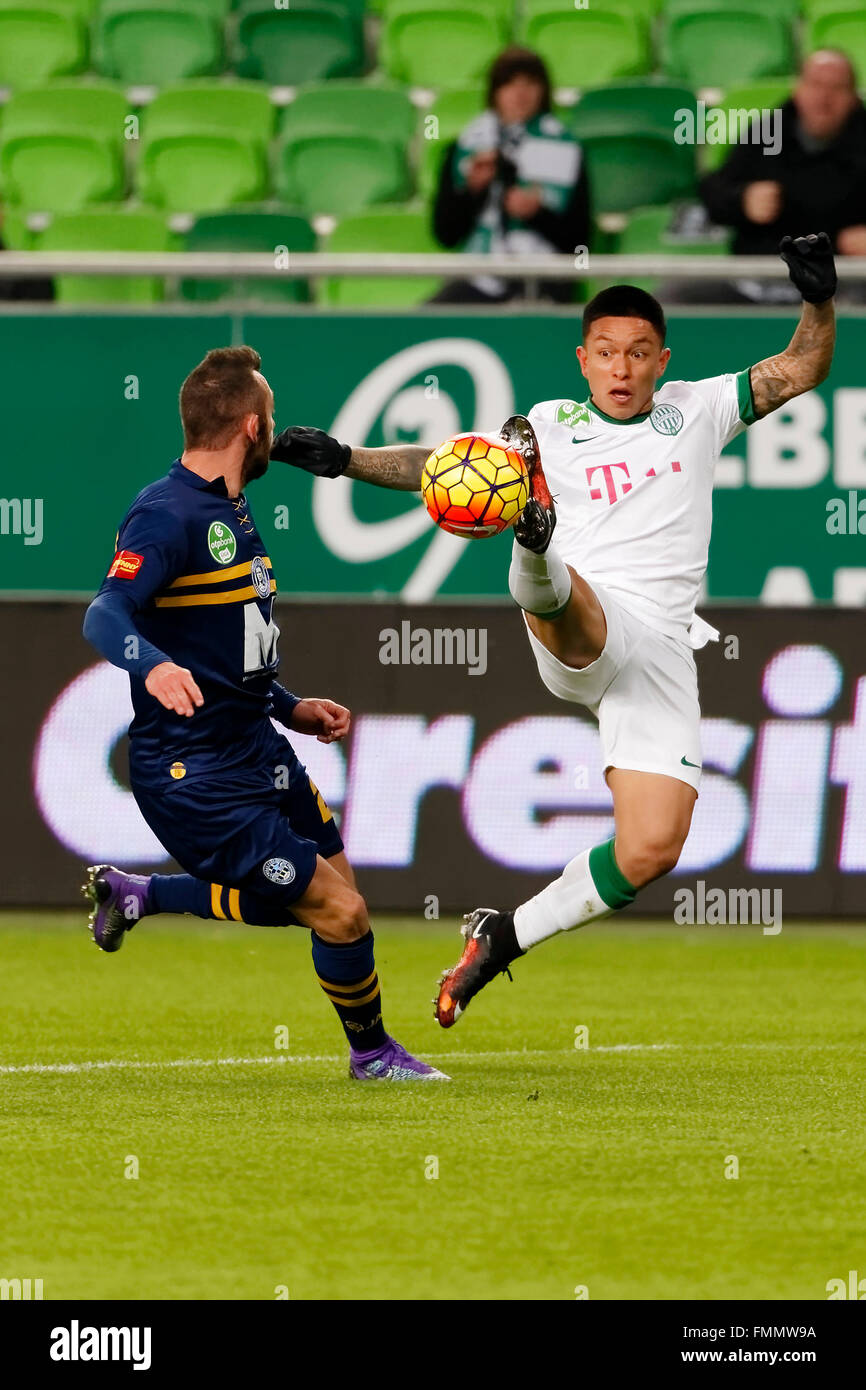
{"x":397,"y":466}
{"x":804,"y":363}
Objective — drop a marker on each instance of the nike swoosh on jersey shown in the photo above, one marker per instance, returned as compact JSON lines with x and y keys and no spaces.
{"x":686,"y":763}
{"x":586,"y":441}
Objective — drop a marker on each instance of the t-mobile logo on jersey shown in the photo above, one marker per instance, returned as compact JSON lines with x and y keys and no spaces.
{"x":615,"y":486}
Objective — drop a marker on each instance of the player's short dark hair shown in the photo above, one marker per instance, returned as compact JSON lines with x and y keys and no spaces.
{"x":519,"y":62}
{"x":625,"y":302}
{"x":217,"y":394}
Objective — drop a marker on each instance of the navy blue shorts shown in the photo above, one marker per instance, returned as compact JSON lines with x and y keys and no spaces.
{"x":249,"y":818}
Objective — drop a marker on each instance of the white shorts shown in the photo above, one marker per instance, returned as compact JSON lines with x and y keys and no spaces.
{"x":642,"y":689}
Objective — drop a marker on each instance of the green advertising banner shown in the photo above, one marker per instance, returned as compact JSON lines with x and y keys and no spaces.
{"x":90,"y":417}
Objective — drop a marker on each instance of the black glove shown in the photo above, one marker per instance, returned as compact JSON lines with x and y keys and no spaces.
{"x":810,"y":265}
{"x":313,"y":450}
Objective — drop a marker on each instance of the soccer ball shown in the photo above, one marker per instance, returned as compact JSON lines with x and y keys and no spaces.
{"x":475,"y":485}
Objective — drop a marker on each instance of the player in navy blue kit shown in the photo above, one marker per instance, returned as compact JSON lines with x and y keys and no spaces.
{"x":187,"y":609}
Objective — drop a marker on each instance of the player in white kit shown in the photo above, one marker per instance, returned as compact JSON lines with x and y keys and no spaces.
{"x":609,"y":605}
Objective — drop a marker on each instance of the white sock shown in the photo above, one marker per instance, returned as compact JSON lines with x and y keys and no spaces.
{"x":541,"y":584}
{"x":568,"y":902}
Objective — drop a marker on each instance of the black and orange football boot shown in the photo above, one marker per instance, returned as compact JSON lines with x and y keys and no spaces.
{"x":533,"y":529}
{"x":491,"y":946}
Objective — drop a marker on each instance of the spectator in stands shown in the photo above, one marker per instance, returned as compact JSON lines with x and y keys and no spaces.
{"x":514,"y":182}
{"x":817,"y":179}
{"x":18,"y":287}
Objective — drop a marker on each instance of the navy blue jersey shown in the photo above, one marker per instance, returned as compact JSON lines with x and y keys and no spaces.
{"x":192,"y":572}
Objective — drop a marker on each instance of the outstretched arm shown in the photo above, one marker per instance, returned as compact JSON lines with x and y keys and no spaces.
{"x":807,"y":358}
{"x":804,"y":363}
{"x":397,"y":466}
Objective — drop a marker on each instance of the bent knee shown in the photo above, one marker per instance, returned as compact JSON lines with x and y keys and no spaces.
{"x":350,"y":921}
{"x":649,"y":859}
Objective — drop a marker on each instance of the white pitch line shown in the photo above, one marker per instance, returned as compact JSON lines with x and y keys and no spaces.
{"x":284,"y":1059}
{"x":132,"y":1064}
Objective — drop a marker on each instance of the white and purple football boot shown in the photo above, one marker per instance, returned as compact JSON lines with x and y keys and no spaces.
{"x":391,"y":1063}
{"x":117,"y":901}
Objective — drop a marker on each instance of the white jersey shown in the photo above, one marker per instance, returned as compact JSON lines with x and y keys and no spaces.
{"x":634,"y":497}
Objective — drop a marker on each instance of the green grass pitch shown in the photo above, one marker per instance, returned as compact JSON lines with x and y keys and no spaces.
{"x":559,"y":1168}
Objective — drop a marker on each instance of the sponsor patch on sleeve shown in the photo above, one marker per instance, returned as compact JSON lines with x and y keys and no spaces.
{"x":125,"y":565}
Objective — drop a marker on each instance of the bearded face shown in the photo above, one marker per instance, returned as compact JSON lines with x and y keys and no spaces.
{"x":258,"y":450}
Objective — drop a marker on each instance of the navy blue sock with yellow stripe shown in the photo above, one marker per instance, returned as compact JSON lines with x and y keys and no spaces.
{"x":347,"y":973}
{"x":184,"y":893}
{"x":179,"y":893}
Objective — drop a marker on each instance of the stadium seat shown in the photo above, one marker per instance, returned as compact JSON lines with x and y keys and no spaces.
{"x":353,"y":106}
{"x":840,"y":24}
{"x":107,"y":229}
{"x":158,"y":41}
{"x":309,"y":39}
{"x":204,"y":146}
{"x":85,"y":9}
{"x":382,"y":230}
{"x":453,"y":112}
{"x":715,"y":46}
{"x":17,"y":235}
{"x":250,"y":229}
{"x":61,"y":146}
{"x":647,"y":8}
{"x":211,"y":107}
{"x":442,"y":43}
{"x":786,"y":9}
{"x":649,"y":232}
{"x":628,"y":132}
{"x":40,"y":40}
{"x":749,"y":97}
{"x":340,"y":171}
{"x":583,"y":48}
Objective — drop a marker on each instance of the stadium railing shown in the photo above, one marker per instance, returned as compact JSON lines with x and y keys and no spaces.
{"x":242,"y":265}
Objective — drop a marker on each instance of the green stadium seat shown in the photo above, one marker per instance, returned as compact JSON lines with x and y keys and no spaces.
{"x":715,"y":47}
{"x":310,"y":39}
{"x":40,"y":39}
{"x":648,"y":9}
{"x":453,"y":111}
{"x":157,"y":41}
{"x":842,"y":25}
{"x":211,"y":107}
{"x":85,"y":8}
{"x":107,"y":229}
{"x":17,"y":235}
{"x":442,"y":43}
{"x":663,"y":230}
{"x":250,"y":229}
{"x":583,"y":48}
{"x":628,"y":130}
{"x":86,"y":104}
{"x":750,"y":96}
{"x":384,"y":230}
{"x":203,"y":146}
{"x":786,"y":9}
{"x":61,"y":146}
{"x":340,"y":172}
{"x":648,"y":232}
{"x":353,"y":106}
